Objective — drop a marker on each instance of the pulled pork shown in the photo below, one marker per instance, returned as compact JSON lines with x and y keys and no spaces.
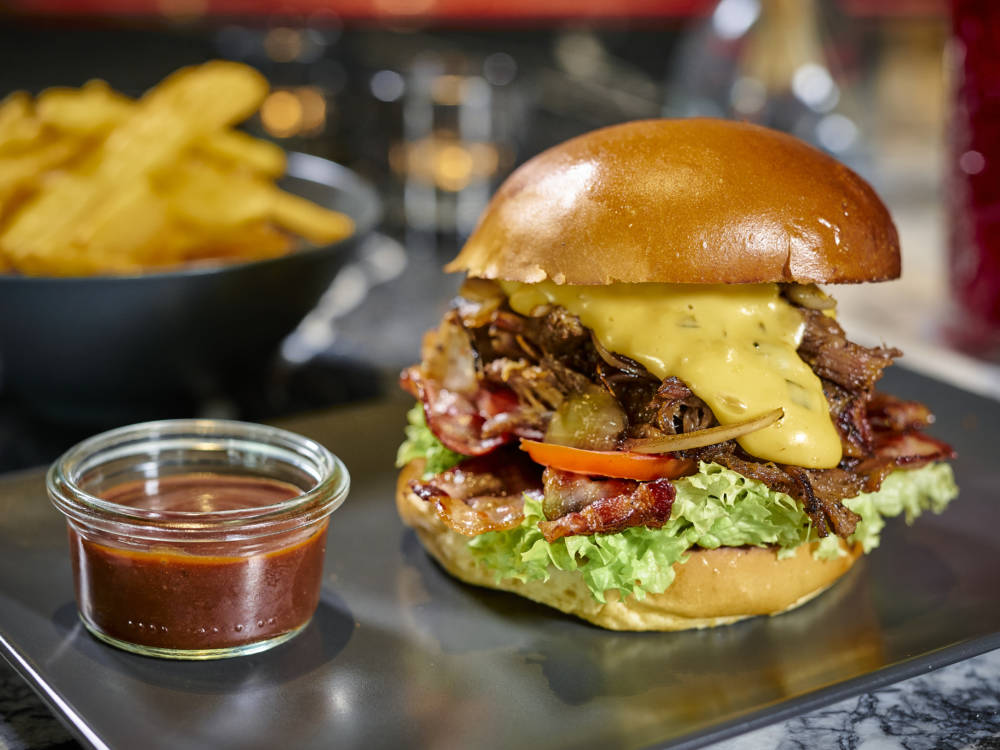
{"x":490,"y":376}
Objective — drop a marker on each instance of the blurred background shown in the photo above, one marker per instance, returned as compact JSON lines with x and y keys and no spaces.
{"x":434,"y":102}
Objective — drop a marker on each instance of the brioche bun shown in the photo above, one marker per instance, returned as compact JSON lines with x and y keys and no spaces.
{"x":696,"y":201}
{"x":714,"y":587}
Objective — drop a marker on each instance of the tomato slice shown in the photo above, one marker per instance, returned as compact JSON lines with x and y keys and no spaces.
{"x":617,"y":464}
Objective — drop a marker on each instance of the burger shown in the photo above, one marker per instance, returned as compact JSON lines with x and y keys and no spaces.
{"x":641,"y":409}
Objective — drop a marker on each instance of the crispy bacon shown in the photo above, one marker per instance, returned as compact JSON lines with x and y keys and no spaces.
{"x":486,"y":514}
{"x":887,"y":412}
{"x":453,"y":417}
{"x":632,"y":504}
{"x":910,"y":447}
{"x":909,"y":450}
{"x":482,"y":494}
{"x":467,"y":415}
{"x":566,"y":492}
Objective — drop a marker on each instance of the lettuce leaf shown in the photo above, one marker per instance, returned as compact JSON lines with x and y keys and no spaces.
{"x":902,"y":492}
{"x":422,"y":443}
{"x":715,"y":507}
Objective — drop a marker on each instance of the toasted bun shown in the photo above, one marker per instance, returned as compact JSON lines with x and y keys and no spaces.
{"x":714,"y":587}
{"x":683,"y":201}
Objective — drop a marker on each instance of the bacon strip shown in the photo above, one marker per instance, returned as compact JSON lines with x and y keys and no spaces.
{"x":482,"y":494}
{"x":909,"y":450}
{"x":489,"y":514}
{"x":567,"y":492}
{"x":632,"y":504}
{"x":887,"y":412}
{"x":466,"y":415}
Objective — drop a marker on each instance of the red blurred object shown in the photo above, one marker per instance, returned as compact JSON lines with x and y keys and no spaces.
{"x":375,"y":10}
{"x":975,"y":177}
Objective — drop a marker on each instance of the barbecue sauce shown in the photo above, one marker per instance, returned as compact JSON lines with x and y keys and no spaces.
{"x":201,"y":596}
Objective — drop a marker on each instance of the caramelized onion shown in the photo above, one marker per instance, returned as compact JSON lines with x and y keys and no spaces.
{"x":477,"y":300}
{"x":810,"y":295}
{"x":701,"y":438}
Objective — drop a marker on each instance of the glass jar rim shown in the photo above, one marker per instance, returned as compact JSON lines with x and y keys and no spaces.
{"x":325,"y":496}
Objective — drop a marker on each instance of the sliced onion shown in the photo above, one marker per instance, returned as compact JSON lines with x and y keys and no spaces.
{"x":701,"y":438}
{"x":613,"y":359}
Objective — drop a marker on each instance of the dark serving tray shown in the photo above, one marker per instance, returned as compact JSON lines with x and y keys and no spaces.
{"x":399,"y":654}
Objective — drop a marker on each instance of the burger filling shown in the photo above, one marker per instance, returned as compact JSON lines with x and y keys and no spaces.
{"x":549,"y":442}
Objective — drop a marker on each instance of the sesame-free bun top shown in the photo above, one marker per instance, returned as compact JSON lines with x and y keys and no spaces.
{"x":685,"y":201}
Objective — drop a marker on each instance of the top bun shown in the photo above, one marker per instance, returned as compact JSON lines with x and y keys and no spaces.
{"x":684,"y":201}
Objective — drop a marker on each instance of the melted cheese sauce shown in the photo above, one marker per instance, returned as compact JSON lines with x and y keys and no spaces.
{"x":733,"y":345}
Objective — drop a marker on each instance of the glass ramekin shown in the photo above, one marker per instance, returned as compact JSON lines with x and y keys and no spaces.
{"x":196,"y":584}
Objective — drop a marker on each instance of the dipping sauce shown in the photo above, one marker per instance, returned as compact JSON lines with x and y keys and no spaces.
{"x":205,"y":595}
{"x":197,"y":538}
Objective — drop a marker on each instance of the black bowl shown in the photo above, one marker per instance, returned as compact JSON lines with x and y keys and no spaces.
{"x":100,"y":349}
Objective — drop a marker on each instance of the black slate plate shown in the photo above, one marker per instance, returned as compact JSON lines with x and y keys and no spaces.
{"x":400,"y":654}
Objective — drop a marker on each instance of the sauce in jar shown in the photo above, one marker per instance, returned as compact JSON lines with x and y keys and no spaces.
{"x":215,"y":594}
{"x":197,"y":538}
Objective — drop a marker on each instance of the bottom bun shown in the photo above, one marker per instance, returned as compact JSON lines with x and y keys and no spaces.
{"x":714,"y":587}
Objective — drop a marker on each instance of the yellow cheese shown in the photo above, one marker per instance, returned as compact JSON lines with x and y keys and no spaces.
{"x":733,"y":345}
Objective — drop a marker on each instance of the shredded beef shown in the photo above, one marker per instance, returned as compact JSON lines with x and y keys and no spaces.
{"x":819,"y":490}
{"x":849,"y":412}
{"x":557,"y":334}
{"x":634,"y":390}
{"x":546,"y":358}
{"x":535,"y":385}
{"x":674,"y":409}
{"x":825,"y":348}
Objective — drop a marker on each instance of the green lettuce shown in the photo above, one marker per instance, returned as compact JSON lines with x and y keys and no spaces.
{"x":902,"y":492}
{"x":422,"y":443}
{"x":715,"y":507}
